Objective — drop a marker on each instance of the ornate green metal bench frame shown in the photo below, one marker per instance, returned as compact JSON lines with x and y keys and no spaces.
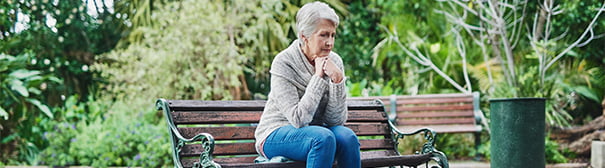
{"x":221,"y":134}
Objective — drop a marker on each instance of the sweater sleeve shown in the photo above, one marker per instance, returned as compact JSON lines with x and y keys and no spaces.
{"x":298,"y":111}
{"x":336,"y":110}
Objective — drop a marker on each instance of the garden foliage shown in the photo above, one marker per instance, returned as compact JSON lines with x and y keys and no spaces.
{"x":78,"y":87}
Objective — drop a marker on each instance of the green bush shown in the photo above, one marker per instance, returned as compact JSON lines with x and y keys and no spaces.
{"x":555,"y":154}
{"x":181,"y":56}
{"x":484,"y":150}
{"x":457,"y":146}
{"x":59,"y":139}
{"x":23,"y":109}
{"x":128,"y":138}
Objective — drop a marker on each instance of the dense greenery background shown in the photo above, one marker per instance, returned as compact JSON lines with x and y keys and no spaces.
{"x":78,"y":81}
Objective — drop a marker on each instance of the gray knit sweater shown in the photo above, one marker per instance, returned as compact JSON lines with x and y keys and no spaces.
{"x":300,"y":98}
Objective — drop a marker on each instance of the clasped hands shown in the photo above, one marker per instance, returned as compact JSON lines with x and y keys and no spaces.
{"x":325,"y":66}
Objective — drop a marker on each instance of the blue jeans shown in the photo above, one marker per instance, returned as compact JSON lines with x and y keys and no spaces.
{"x":318,"y":146}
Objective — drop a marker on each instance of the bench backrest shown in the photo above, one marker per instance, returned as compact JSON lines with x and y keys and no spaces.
{"x":445,"y":113}
{"x":232,"y":124}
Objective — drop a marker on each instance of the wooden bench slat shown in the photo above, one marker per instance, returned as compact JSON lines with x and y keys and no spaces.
{"x":373,"y":144}
{"x":366,"y":116}
{"x":444,"y":100}
{"x":460,"y":128}
{"x":188,"y":162}
{"x":377,"y":153}
{"x":234,"y":149}
{"x":421,"y":96}
{"x":435,"y":108}
{"x":369,"y":129}
{"x":242,"y":162}
{"x":260,"y":165}
{"x":221,"y":133}
{"x":215,"y":117}
{"x":443,"y":97}
{"x":228,"y":117}
{"x":433,"y":114}
{"x":364,"y":105}
{"x":406,"y":160}
{"x":254,"y":105}
{"x":235,"y":105}
{"x":434,"y":121}
{"x":247,"y":132}
{"x":369,"y":159}
{"x":220,"y":149}
{"x":249,"y":159}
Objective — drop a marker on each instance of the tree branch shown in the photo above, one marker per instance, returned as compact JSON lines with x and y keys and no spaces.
{"x":577,"y":42}
{"x":462,"y":50}
{"x":423,"y":60}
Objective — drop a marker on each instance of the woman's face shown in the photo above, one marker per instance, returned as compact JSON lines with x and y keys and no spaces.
{"x":321,"y":41}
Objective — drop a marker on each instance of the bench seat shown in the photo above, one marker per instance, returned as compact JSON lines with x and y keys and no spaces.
{"x":221,"y":134}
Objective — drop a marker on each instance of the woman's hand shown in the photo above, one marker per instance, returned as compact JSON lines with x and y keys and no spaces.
{"x":320,"y":62}
{"x":323,"y":65}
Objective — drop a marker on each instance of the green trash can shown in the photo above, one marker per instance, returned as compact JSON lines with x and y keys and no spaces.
{"x":517,"y":132}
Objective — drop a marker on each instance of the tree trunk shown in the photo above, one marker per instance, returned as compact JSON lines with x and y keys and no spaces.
{"x":540,"y":25}
{"x":578,"y":139}
{"x":603,"y":105}
{"x":582,"y":145}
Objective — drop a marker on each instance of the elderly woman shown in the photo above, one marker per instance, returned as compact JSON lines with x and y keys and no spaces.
{"x":304,"y":115}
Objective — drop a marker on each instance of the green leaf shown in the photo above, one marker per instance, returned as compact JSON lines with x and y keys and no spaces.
{"x":3,"y":113}
{"x":572,"y":53}
{"x":586,"y":92}
{"x":55,"y":79}
{"x":34,"y":90}
{"x":9,"y":138}
{"x":17,"y":85}
{"x":42,"y":107}
{"x":24,"y":73}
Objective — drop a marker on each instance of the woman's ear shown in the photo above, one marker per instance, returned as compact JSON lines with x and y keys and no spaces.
{"x":304,"y":40}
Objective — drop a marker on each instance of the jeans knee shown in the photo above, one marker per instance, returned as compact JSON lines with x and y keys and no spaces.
{"x":324,"y":137}
{"x":346,"y":137}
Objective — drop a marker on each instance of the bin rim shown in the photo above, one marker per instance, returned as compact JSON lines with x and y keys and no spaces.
{"x":516,"y":99}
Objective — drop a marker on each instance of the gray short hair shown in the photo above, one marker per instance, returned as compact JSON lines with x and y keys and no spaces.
{"x":309,"y":15}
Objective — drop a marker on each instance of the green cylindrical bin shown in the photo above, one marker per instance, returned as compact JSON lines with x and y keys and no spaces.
{"x":517,"y":132}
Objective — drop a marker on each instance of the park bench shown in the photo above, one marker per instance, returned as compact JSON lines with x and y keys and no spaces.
{"x":221,"y":134}
{"x":444,"y":113}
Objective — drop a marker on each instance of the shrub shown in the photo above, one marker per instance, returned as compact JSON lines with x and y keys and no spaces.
{"x":23,"y":108}
{"x":118,"y":139}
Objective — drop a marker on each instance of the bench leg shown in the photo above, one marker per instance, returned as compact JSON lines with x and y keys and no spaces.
{"x":477,"y":144}
{"x":441,"y":159}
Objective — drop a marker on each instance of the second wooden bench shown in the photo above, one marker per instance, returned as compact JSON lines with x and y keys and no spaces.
{"x":444,"y":113}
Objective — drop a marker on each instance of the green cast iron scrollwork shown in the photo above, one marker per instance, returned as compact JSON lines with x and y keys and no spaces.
{"x":178,"y":141}
{"x":440,"y":158}
{"x":428,"y":147}
{"x":206,"y":160}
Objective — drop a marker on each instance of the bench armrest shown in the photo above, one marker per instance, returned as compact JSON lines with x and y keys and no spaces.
{"x":178,"y":141}
{"x":479,"y":117}
{"x":428,"y":147}
{"x":476,"y":108}
{"x":207,"y":140}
